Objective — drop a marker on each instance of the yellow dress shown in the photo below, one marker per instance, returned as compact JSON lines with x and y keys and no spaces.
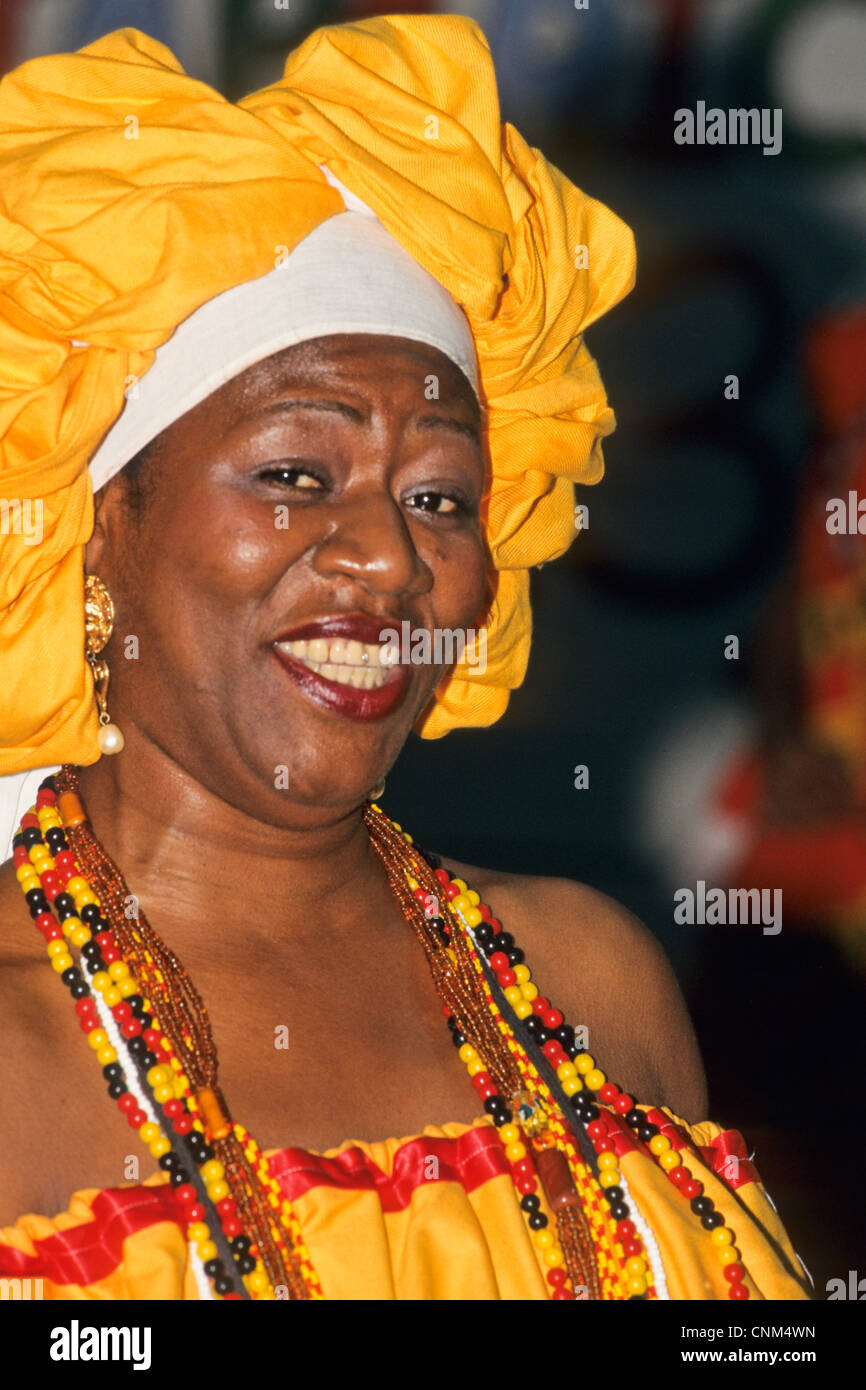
{"x":433,"y":1216}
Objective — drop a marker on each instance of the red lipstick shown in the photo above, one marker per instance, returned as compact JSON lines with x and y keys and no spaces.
{"x":345,"y":700}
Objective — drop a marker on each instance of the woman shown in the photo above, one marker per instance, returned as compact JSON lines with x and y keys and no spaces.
{"x":357,"y":398}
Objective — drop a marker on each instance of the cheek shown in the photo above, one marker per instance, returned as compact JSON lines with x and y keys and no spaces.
{"x":459,"y":582}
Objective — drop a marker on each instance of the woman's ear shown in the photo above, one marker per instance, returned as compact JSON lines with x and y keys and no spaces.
{"x":107,"y":509}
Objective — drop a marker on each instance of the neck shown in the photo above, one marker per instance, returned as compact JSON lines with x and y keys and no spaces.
{"x":190,"y":856}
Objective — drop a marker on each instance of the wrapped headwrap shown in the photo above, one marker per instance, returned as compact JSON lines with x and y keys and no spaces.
{"x":132,"y":194}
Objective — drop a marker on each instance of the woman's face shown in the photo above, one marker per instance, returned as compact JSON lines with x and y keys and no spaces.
{"x":326,"y":494}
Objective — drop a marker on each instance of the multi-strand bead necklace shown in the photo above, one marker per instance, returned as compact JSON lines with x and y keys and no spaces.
{"x":546,"y":1097}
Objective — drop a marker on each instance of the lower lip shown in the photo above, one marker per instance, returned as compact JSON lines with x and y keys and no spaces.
{"x":360,"y":705}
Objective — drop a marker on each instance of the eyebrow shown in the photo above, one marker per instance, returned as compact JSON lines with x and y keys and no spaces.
{"x":349,"y":412}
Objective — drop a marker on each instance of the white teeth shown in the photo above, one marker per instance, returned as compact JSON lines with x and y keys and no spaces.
{"x":354,"y":654}
{"x":298,"y":649}
{"x":317,"y":649}
{"x":340,"y":653}
{"x":356,"y":677}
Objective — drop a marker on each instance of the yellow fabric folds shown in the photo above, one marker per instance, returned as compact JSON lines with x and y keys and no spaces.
{"x":130,"y":194}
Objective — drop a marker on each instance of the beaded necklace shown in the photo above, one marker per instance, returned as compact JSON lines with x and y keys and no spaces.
{"x":546,"y":1097}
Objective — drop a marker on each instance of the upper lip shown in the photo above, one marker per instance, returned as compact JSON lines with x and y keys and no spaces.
{"x":360,"y":626}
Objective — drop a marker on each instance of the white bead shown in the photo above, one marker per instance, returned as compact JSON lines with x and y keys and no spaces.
{"x":111,"y":740}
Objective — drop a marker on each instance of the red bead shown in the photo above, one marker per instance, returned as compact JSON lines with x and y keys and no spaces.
{"x":420,"y":895}
{"x":442,"y":876}
{"x":597,"y":1129}
{"x":137,"y":1118}
{"x":53,"y":933}
{"x":65,"y":862}
{"x":130,"y":1028}
{"x":122,"y":1011}
{"x":50,"y":884}
{"x":87,"y":1005}
{"x":552,"y":1019}
{"x":232,"y":1227}
{"x":499,"y":961}
{"x":31,"y":819}
{"x":20,"y":856}
{"x":540,"y":1005}
{"x":678,"y":1175}
{"x":506,"y":977}
{"x":173,"y":1108}
{"x":110,"y":954}
{"x":127,"y":1103}
{"x":485,"y":912}
{"x":523,"y":1168}
{"x":563,"y":1296}
{"x":183,"y":1124}
{"x":446,"y":1010}
{"x":152,"y":1038}
{"x":604,"y":1146}
{"x":496,"y":925}
{"x":45,"y":797}
{"x":525,"y":1186}
{"x":738,"y":1291}
{"x":186,"y":1194}
{"x":631,"y":1247}
{"x":551,"y":1048}
{"x":734,"y":1273}
{"x":196,"y":1212}
{"x":482,"y":1078}
{"x":104,"y":938}
{"x":227,"y":1206}
{"x":557,"y":1277}
{"x":626,"y":1229}
{"x":231,"y":1298}
{"x":87,"y":1022}
{"x":452,"y":891}
{"x":608,"y":1093}
{"x":691,"y":1189}
{"x":623,"y":1104}
{"x":43,"y":921}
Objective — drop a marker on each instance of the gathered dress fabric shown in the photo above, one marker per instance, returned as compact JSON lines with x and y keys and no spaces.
{"x":430,"y":1217}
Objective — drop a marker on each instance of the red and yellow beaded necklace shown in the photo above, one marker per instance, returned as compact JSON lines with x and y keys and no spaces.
{"x":150,"y":1033}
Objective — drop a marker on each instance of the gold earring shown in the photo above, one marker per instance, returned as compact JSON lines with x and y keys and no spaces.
{"x":377,"y":791}
{"x":98,"y":627}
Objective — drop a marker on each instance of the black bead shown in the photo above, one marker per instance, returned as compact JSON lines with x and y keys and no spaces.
{"x":711,"y":1219}
{"x":178,"y":1176}
{"x":646,"y":1132}
{"x":36,"y":901}
{"x":619,"y":1211}
{"x":543,"y":1035}
{"x":70,"y":976}
{"x":484,"y":934}
{"x":148,"y":1060}
{"x":64,"y":905}
{"x":530,"y":1202}
{"x":18,"y":840}
{"x":116,"y":1089}
{"x":564,"y":1034}
{"x":113,"y":1072}
{"x":533,"y":1025}
{"x":168,"y":1161}
{"x":592,"y":1112}
{"x":504,"y":941}
{"x":452,"y":1023}
{"x":95,"y":964}
{"x":493,"y":1103}
{"x":503,"y":1117}
{"x":458,"y":1038}
{"x":137,"y":1047}
{"x":135,"y":1002}
{"x":614,"y":1194}
{"x":207,"y":1154}
{"x":47,"y":783}
{"x":91,"y":949}
{"x":213,"y":1268}
{"x":701,"y":1205}
{"x":240,"y":1245}
{"x":634,"y":1117}
{"x":80,"y":991}
{"x":515,"y":956}
{"x":537,"y":1221}
{"x":245,"y":1264}
{"x":222,"y":1285}
{"x":31,"y":836}
{"x":89,"y":913}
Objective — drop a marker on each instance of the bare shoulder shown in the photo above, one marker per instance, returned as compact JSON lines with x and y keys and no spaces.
{"x":598,"y":962}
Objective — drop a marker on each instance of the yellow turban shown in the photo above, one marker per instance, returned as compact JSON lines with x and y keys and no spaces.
{"x":130,"y":194}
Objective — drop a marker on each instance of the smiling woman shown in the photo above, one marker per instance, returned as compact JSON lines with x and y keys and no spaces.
{"x":363,"y":410}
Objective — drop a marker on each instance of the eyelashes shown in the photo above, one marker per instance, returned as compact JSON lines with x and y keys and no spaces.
{"x":428,"y":499}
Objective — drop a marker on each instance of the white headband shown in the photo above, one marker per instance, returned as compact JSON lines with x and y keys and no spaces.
{"x":349,"y":275}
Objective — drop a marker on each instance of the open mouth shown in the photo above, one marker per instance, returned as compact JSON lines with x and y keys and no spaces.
{"x":361,"y":665}
{"x":340,"y":664}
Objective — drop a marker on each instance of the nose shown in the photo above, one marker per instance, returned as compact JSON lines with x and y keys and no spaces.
{"x":370,"y":543}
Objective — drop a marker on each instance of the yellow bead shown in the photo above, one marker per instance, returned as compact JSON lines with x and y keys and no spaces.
{"x":97,"y":1038}
{"x":206,"y":1250}
{"x":217,"y":1191}
{"x":659,"y":1143}
{"x":412,"y":882}
{"x":670,"y":1159}
{"x":475,"y":1067}
{"x":595,"y":1079}
{"x":545,"y":1238}
{"x":566,"y":1071}
{"x":77,"y":885}
{"x":553,"y":1257}
{"x":159,"y":1076}
{"x":61,"y":963}
{"x":523,"y":1009}
{"x":509,"y":1134}
{"x":472,"y":916}
{"x":159,"y":1146}
{"x":584,"y":1062}
{"x":529,"y":991}
{"x":607,"y":1160}
{"x":85,"y":897}
{"x":727,"y":1254}
{"x":57,"y":948}
{"x":257,"y":1282}
{"x":522,"y":973}
{"x":127,"y":987}
{"x":636,"y":1286}
{"x":118,"y":970}
{"x":460,"y":903}
{"x":79,"y":936}
{"x":198,"y":1230}
{"x":101,"y":980}
{"x":163,"y":1094}
{"x":722,"y":1235}
{"x":609,"y":1177}
{"x":459,"y":883}
{"x":514,"y":996}
{"x":635,"y":1267}
{"x":106,"y":1055}
{"x":572,"y":1087}
{"x":213,"y":1170}
{"x":38,"y":855}
{"x":112,"y":996}
{"x":148,"y":1132}
{"x":514,"y":1152}
{"x":467,"y":1053}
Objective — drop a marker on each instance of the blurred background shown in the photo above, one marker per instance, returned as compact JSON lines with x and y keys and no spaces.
{"x":701,"y":651}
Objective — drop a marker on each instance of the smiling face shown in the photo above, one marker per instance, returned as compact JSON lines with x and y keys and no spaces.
{"x":318,"y":498}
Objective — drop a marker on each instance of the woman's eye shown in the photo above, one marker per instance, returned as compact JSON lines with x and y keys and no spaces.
{"x":293,"y":477}
{"x":437,"y":502}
